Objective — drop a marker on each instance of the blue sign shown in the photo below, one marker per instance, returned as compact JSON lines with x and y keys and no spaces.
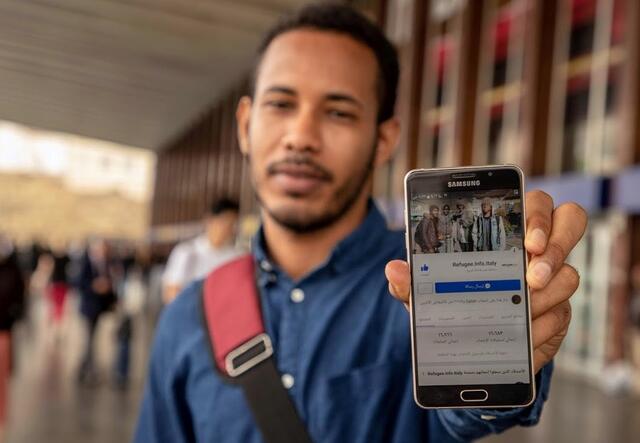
{"x":477,"y":286}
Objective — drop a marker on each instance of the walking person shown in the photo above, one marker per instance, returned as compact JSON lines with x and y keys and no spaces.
{"x":58,"y":288}
{"x":194,"y":258}
{"x":132,"y":296}
{"x":97,"y":296}
{"x":12,"y":302}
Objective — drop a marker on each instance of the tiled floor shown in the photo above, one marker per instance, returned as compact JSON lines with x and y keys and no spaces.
{"x":579,"y":412}
{"x":48,"y":406}
{"x":46,"y":403}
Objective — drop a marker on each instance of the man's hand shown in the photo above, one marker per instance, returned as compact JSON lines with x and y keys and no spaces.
{"x":550,"y":237}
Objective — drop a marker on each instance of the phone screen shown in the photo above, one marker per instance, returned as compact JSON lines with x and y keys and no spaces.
{"x":470,"y":301}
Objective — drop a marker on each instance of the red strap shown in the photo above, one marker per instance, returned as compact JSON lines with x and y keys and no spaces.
{"x":232,"y":307}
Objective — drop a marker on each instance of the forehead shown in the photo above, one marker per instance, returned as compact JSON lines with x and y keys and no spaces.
{"x":318,"y":61}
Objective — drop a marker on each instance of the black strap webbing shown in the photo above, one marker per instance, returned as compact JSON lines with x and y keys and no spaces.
{"x":235,"y":328}
{"x":272,"y":408}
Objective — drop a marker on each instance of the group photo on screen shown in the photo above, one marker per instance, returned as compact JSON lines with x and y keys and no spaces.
{"x":466,"y":222}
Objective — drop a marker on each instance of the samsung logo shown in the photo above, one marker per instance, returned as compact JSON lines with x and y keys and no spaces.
{"x":463,"y":183}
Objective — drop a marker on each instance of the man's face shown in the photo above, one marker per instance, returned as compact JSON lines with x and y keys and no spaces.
{"x":221,"y":228}
{"x":310,"y":131}
{"x":486,"y":207}
{"x":435,"y":212}
{"x":445,"y":210}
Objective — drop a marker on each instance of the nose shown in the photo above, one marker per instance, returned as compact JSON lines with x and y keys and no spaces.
{"x":303,"y":132}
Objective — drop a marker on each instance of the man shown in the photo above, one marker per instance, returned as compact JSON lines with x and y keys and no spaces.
{"x":446,"y":230}
{"x":463,"y":224}
{"x":418,"y":234}
{"x":488,"y":229}
{"x":96,"y":284}
{"x":193,"y":259}
{"x":319,"y":121}
{"x":428,"y":234}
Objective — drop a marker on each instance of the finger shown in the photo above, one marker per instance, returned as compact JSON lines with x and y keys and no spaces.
{"x":544,"y":353}
{"x":560,"y":288}
{"x":551,"y":323}
{"x":397,"y":272}
{"x":539,"y":209}
{"x":569,"y":223}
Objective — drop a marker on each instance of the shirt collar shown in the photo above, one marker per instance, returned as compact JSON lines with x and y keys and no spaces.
{"x":201,"y":243}
{"x":352,"y":250}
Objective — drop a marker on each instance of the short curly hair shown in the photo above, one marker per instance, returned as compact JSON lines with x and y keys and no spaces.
{"x":334,"y":17}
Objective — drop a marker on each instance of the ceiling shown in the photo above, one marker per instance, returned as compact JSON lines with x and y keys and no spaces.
{"x":134,"y":72}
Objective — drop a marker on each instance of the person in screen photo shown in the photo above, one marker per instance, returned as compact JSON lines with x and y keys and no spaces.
{"x":446,"y":229}
{"x":488,"y":229}
{"x":419,"y":233}
{"x":428,"y":235}
{"x":462,"y":228}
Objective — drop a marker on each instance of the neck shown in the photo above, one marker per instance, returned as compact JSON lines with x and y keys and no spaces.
{"x":299,"y":253}
{"x":217,"y":243}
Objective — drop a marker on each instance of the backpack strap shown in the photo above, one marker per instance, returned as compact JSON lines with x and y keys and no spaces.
{"x":242,"y":350}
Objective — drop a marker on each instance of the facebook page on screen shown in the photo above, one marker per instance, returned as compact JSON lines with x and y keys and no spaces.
{"x":468,"y":285}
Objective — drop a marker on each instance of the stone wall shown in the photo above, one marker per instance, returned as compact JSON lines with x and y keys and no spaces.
{"x":40,"y":207}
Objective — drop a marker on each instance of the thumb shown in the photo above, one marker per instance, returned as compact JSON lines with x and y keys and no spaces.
{"x":399,"y":277}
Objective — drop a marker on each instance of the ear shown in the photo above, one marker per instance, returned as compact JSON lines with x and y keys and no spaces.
{"x":243,"y":115}
{"x":388,"y":134}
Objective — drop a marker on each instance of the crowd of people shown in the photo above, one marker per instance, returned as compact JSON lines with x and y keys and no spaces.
{"x":107,"y":277}
{"x":442,"y":230}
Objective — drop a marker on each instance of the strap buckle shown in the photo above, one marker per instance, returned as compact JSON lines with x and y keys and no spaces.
{"x":248,"y":355}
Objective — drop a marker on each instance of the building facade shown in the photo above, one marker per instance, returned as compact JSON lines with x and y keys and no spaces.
{"x":550,"y":85}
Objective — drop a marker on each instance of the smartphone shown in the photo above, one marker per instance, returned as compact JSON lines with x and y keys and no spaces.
{"x":470,"y":314}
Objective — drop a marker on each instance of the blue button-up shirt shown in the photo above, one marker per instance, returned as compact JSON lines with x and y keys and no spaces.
{"x":344,"y":343}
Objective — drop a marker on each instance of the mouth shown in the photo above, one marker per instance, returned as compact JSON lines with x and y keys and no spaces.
{"x":298,"y":179}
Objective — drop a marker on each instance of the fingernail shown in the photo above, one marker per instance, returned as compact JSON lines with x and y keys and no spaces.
{"x":542,"y":272}
{"x":538,"y":237}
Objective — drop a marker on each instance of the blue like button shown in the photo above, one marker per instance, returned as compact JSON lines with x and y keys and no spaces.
{"x":477,"y":286}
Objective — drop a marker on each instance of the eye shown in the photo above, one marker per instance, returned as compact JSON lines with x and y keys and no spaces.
{"x":279,"y":104}
{"x":342,"y":115}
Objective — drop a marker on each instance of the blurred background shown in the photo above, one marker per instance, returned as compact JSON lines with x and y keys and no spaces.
{"x":117,"y":131}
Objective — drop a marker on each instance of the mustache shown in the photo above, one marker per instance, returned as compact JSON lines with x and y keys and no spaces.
{"x":301,"y":163}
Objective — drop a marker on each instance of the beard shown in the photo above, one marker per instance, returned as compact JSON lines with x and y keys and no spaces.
{"x":342,"y":200}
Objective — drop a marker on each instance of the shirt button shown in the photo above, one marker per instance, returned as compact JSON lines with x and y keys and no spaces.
{"x":297,"y":295}
{"x":266,"y":266}
{"x":287,"y":381}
